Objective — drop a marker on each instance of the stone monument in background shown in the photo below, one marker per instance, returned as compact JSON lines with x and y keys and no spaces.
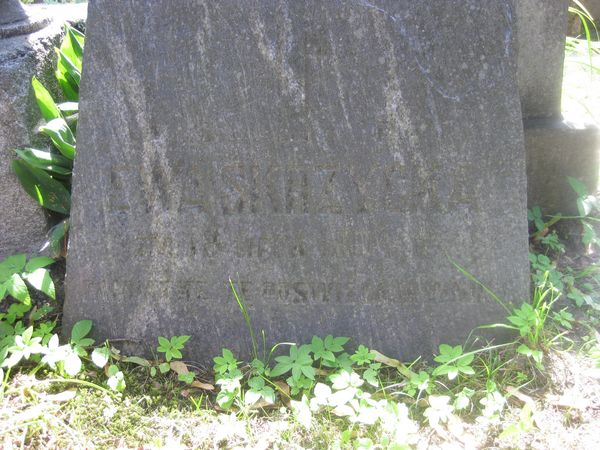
{"x":330,"y":157}
{"x":555,"y":148}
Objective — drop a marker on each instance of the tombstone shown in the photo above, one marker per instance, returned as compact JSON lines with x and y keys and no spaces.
{"x":555,"y":148}
{"x":28,"y":36}
{"x":330,"y":157}
{"x":542,"y":27}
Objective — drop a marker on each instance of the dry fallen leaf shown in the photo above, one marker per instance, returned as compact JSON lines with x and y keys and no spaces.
{"x":513,"y":391}
{"x":179,"y":367}
{"x":201,"y":385}
{"x":527,"y":400}
{"x":284,"y":390}
{"x":381,"y":358}
{"x":262,"y":404}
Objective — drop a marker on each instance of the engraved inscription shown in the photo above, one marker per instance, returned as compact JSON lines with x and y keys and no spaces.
{"x":248,"y":188}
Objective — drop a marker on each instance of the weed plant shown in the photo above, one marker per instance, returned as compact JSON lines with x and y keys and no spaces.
{"x":45,"y":174}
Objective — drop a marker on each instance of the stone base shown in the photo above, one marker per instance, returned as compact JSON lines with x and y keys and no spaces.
{"x":24,"y":224}
{"x":556,"y":150}
{"x":36,"y":19}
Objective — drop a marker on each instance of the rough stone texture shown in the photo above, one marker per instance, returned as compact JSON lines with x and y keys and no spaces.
{"x":541,"y":31}
{"x":11,"y":11}
{"x":555,"y":151}
{"x":331,"y":155}
{"x":23,"y":225}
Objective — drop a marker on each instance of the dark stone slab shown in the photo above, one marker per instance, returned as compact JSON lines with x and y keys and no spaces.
{"x":555,"y":151}
{"x":332,"y":155}
{"x":541,"y":30}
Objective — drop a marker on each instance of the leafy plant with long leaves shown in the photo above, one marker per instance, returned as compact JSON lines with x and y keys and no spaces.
{"x":45,"y":174}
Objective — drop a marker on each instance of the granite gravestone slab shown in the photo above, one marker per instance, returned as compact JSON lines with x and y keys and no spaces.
{"x":541,"y":30}
{"x":329,"y":156}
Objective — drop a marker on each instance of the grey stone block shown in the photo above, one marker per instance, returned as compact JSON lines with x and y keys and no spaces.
{"x":23,"y":225}
{"x":332,"y":155}
{"x":556,"y":150}
{"x":11,"y":11}
{"x":541,"y":31}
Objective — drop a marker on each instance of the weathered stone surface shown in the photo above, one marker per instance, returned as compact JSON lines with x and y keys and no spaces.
{"x":556,"y":151}
{"x":11,"y":11}
{"x":23,"y":225}
{"x":331,"y":155}
{"x":541,"y":31}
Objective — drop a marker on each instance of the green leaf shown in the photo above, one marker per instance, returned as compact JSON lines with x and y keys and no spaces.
{"x":164,"y":367}
{"x":47,"y":191}
{"x":226,"y":398}
{"x":72,"y":47}
{"x":336,"y":344}
{"x":77,"y":35}
{"x":299,"y":361}
{"x":37,"y":314}
{"x":80,"y":330}
{"x":280,"y":368}
{"x":45,"y":101}
{"x":137,"y":360}
{"x":11,"y":265}
{"x":61,"y":135}
{"x":56,"y":236}
{"x":164,"y":344}
{"x":69,"y":88}
{"x":186,"y":377}
{"x":2,"y":291}
{"x":589,"y":234}
{"x":577,"y":186}
{"x":112,"y":370}
{"x":69,"y":107}
{"x":68,"y":66}
{"x":466,"y":360}
{"x":467,"y":370}
{"x":17,"y":288}
{"x":175,"y":353}
{"x":16,"y":311}
{"x":41,"y":280}
{"x":100,"y":356}
{"x":37,"y":262}
{"x":179,"y":341}
{"x":45,"y":160}
{"x":85,"y":342}
{"x":362,"y":356}
{"x":308,"y":371}
{"x":256,"y":383}
{"x":448,"y":353}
